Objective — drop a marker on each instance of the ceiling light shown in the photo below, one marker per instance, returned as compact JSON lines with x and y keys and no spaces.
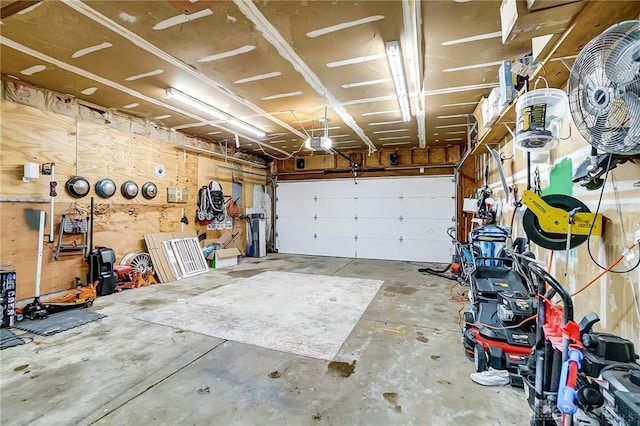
{"x":394,"y":137}
{"x":478,"y":37}
{"x":213,"y":112}
{"x":451,"y":125}
{"x":456,"y":133}
{"x":390,"y":131}
{"x":358,"y":60}
{"x":474,"y":66}
{"x":384,"y":123}
{"x":392,"y":111}
{"x":365,"y":83}
{"x":394,"y":56}
{"x":453,"y":116}
{"x":395,"y":143}
{"x":459,"y":104}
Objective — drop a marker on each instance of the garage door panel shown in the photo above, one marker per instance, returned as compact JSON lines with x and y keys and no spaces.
{"x":426,"y":207}
{"x":437,"y":187}
{"x":426,"y":228}
{"x":296,"y":208}
{"x":425,"y":204}
{"x":292,"y":190}
{"x":336,"y":207}
{"x":328,"y":189}
{"x":378,"y":228}
{"x":336,"y":227}
{"x":335,"y":246}
{"x":302,"y":244}
{"x":298,"y":225}
{"x":384,"y":207}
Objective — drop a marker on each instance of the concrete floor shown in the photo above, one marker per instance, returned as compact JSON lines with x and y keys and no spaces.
{"x":410,"y":368}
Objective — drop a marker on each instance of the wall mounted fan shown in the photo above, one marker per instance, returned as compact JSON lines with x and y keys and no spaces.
{"x":604,"y":100}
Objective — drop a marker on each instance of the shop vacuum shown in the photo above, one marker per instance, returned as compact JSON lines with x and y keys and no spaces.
{"x":101,"y":261}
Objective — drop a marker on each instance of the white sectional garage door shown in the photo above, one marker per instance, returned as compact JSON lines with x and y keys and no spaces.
{"x":379,"y":218}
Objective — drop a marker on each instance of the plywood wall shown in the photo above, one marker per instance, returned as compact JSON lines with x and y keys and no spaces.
{"x":615,"y":297}
{"x":93,"y":151}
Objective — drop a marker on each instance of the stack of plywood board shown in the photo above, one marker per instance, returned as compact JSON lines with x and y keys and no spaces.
{"x":175,"y":255}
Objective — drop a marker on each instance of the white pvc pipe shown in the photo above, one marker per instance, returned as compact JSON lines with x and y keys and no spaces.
{"x":51,"y":203}
{"x":40,"y":250}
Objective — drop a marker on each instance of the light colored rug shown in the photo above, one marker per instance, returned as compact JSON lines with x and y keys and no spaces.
{"x":310,"y":315}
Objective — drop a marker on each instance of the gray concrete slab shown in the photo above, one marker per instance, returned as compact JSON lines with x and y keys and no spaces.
{"x":406,"y":357}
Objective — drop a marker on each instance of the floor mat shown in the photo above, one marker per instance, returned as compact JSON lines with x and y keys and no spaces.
{"x":8,"y":339}
{"x":310,"y":315}
{"x":60,"y":321}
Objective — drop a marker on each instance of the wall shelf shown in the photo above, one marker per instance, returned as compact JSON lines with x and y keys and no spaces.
{"x":595,"y":17}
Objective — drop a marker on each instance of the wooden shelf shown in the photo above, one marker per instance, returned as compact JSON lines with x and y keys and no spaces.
{"x":594,"y":18}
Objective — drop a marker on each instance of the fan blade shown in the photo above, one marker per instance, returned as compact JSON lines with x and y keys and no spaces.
{"x":632,"y":141}
{"x":620,"y":66}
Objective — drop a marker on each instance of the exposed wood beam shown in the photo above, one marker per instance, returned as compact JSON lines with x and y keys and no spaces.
{"x":15,"y":7}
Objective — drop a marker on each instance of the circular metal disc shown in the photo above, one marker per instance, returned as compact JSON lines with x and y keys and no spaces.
{"x":550,"y":240}
{"x":149,"y":190}
{"x":129,"y":189}
{"x":78,"y":187}
{"x":105,"y":188}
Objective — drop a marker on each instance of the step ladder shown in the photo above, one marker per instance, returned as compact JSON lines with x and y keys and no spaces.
{"x":72,"y":234}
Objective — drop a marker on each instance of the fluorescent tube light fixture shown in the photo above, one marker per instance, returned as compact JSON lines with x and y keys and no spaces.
{"x":179,"y":96}
{"x":394,"y":56}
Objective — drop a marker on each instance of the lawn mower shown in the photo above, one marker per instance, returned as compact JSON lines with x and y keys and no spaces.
{"x":576,"y":376}
{"x":499,"y":328}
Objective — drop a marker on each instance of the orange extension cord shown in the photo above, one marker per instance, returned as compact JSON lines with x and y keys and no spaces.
{"x":610,"y":267}
{"x":461,"y":299}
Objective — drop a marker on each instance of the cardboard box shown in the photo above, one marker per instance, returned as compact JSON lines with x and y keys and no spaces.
{"x":490,"y":111}
{"x":517,"y":21}
{"x":221,"y":241}
{"x":506,"y":86}
{"x":477,"y":113}
{"x":224,"y":258}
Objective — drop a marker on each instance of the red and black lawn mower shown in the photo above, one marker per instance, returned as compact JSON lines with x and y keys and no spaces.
{"x":576,"y":376}
{"x":499,"y":328}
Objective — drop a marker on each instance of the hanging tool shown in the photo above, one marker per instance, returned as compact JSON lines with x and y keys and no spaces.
{"x":498,"y":159}
{"x":35,"y":309}
{"x":572,"y":215}
{"x":546,"y":220}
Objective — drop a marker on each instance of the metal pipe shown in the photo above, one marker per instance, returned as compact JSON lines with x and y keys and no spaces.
{"x":40,"y":250}
{"x":51,"y":202}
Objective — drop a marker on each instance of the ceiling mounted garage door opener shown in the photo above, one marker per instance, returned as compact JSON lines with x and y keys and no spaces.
{"x":558,"y":222}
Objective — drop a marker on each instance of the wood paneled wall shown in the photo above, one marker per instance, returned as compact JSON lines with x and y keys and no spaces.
{"x":437,"y":160}
{"x":614,"y":297}
{"x":93,"y":151}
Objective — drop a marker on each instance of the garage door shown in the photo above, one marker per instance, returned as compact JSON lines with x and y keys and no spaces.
{"x":378,"y":218}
